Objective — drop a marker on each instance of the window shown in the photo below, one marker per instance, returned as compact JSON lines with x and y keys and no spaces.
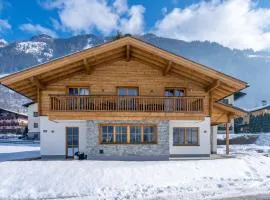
{"x":107,"y":134}
{"x":121,"y":134}
{"x":35,"y":114}
{"x":185,"y":136}
{"x":35,"y":125}
{"x":174,"y":92}
{"x":75,"y":91}
{"x":128,"y":91}
{"x":128,"y":134}
{"x":148,"y":134}
{"x":135,"y":134}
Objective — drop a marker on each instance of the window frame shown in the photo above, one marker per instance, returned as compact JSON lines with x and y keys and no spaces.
{"x":128,"y":134}
{"x":78,"y":87}
{"x":35,"y":114}
{"x":185,"y":141}
{"x":35,"y":124}
{"x":175,"y":88}
{"x":126,"y":88}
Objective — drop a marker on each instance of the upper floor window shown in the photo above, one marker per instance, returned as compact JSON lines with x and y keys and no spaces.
{"x":75,"y":91}
{"x":174,"y":92}
{"x":35,"y":114}
{"x":128,"y":91}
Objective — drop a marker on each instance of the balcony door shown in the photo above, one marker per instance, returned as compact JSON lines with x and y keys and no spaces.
{"x":173,"y":104}
{"x":72,"y":141}
{"x":128,"y":103}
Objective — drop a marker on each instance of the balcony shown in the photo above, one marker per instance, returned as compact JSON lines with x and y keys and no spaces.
{"x":126,"y":104}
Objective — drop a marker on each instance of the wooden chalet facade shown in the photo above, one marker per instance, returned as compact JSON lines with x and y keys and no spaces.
{"x":127,"y":99}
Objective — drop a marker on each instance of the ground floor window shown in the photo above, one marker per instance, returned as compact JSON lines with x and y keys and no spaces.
{"x":128,"y":134}
{"x":185,"y":136}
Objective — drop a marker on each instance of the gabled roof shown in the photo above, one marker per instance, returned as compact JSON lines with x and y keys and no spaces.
{"x":127,"y":48}
{"x":11,"y":111}
{"x":233,"y":110}
{"x":259,"y":108}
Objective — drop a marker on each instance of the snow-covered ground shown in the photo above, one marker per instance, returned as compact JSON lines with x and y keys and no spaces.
{"x":247,"y":173}
{"x":18,"y":151}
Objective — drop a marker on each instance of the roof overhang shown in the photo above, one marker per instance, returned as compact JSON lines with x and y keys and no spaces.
{"x":28,"y":81}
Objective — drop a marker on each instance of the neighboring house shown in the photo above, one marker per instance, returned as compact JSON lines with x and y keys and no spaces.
{"x":12,"y":122}
{"x":243,"y":123}
{"x":127,"y":100}
{"x":33,"y":120}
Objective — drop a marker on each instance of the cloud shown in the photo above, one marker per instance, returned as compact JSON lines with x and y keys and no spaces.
{"x":135,"y":24}
{"x":121,"y":6}
{"x":232,"y":23}
{"x":4,"y":25}
{"x":37,"y":29}
{"x":84,"y":16}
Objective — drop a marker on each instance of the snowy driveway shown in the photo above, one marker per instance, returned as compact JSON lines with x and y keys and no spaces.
{"x":18,"y":151}
{"x":248,"y":174}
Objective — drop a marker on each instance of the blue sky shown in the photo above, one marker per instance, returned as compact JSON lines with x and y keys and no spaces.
{"x":234,"y":23}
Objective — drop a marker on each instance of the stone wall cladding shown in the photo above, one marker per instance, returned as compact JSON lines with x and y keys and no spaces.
{"x":161,"y":149}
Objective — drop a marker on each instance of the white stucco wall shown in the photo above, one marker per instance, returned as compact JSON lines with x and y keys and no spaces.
{"x":53,"y":136}
{"x":204,"y":137}
{"x":31,"y":119}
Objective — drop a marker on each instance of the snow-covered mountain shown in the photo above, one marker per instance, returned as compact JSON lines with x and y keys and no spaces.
{"x":248,"y":65}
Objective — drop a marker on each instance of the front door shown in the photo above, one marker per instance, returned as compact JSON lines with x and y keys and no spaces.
{"x":72,"y":141}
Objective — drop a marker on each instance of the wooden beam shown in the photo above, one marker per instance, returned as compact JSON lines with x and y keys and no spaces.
{"x":213,"y":86}
{"x":87,"y":66}
{"x":168,"y":68}
{"x":211,"y":104}
{"x":227,"y":139}
{"x":128,"y":53}
{"x":37,"y":83}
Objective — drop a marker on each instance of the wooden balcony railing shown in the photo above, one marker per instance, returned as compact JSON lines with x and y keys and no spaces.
{"x":127,"y":103}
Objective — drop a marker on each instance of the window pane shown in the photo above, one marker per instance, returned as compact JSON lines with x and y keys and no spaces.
{"x":122,"y":91}
{"x":132,"y":91}
{"x":84,"y":91}
{"x":178,"y":136}
{"x":121,"y":134}
{"x":73,"y":91}
{"x":135,"y":134}
{"x":179,"y":93}
{"x":191,"y":136}
{"x":148,"y":134}
{"x":169,"y":92}
{"x":107,"y":134}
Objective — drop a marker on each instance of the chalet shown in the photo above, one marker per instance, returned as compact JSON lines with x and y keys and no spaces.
{"x":12,"y":122}
{"x":127,"y":100}
{"x":243,"y":123}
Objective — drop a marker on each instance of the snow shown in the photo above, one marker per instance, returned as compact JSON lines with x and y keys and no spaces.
{"x":3,"y":43}
{"x":257,"y":108}
{"x":246,"y":174}
{"x":9,"y":151}
{"x":89,"y":43}
{"x":38,"y":49}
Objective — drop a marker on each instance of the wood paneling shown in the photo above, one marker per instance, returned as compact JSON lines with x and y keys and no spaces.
{"x":104,"y":80}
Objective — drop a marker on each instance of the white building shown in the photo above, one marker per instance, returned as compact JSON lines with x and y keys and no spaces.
{"x":33,"y":120}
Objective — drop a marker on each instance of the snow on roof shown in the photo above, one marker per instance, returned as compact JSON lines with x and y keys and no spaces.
{"x":258,"y":108}
{"x":13,"y":111}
